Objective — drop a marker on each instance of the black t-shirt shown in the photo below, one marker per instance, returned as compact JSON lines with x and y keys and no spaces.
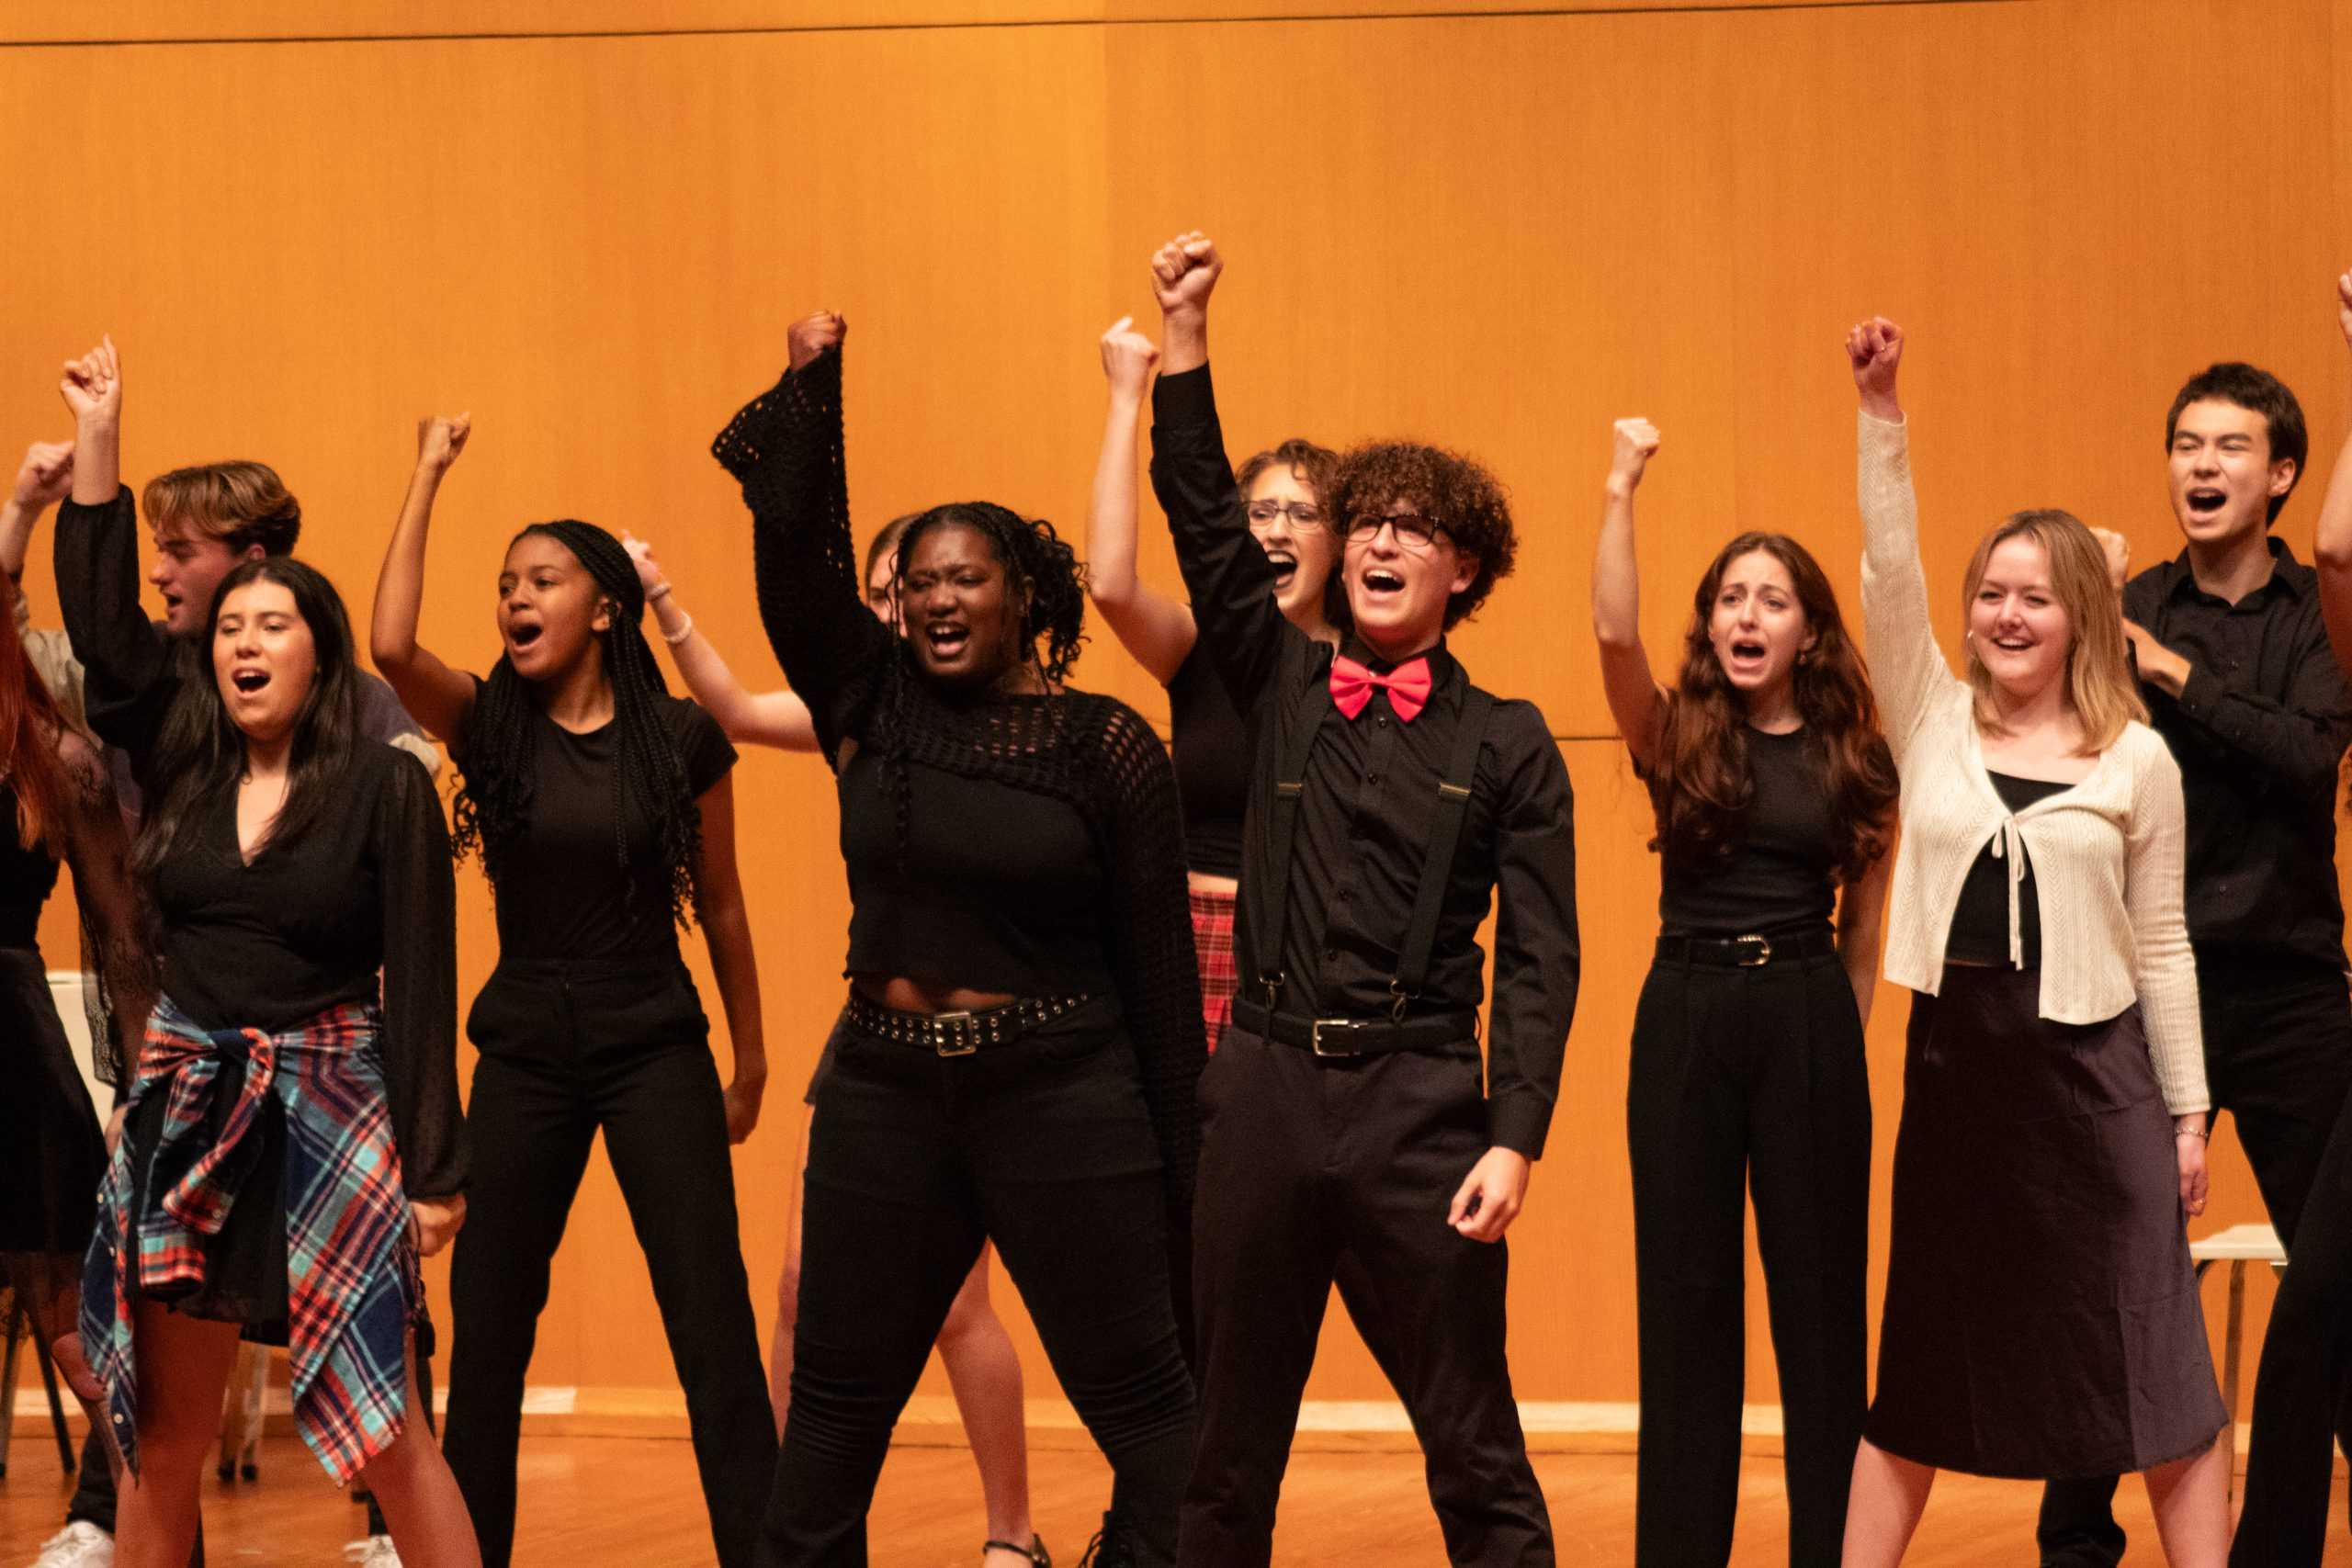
{"x":1979,"y":923}
{"x":1779,"y":874}
{"x":1212,"y":757}
{"x":562,"y":890}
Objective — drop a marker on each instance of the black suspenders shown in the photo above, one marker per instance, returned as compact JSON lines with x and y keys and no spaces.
{"x":1445,"y":836}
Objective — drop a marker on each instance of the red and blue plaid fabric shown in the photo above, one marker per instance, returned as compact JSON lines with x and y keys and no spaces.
{"x":352,"y":1281}
{"x":1212,"y":940}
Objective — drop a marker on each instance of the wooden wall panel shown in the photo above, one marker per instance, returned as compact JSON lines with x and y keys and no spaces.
{"x":1499,"y":231}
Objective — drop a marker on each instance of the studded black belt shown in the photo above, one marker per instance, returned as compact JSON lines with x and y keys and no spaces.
{"x":961,"y":1032}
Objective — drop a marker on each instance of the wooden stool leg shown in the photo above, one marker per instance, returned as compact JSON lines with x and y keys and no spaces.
{"x":2232,"y":1334}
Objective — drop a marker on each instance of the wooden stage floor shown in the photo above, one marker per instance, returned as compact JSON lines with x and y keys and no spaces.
{"x":610,"y":1501}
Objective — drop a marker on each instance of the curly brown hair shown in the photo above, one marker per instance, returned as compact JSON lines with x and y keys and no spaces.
{"x":1700,"y":781}
{"x":1455,"y":491}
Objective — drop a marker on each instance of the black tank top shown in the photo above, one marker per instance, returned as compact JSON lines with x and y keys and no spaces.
{"x":1212,"y":758}
{"x":1779,"y":874}
{"x":26,"y":878}
{"x":1979,"y":923}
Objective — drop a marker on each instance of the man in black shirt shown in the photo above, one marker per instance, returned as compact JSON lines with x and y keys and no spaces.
{"x":1346,"y":1136}
{"x":2234,"y":663}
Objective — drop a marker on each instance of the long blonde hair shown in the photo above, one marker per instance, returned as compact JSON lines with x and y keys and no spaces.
{"x":2099,"y":684}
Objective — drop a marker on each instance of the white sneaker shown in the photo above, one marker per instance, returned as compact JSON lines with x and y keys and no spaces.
{"x":80,"y":1544}
{"x":376,"y":1552}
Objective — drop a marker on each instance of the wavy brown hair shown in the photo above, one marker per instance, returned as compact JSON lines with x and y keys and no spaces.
{"x":30,"y":727}
{"x":1700,"y":781}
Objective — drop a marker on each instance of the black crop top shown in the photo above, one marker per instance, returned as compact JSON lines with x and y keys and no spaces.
{"x":1212,"y":757}
{"x":562,"y":890}
{"x":1779,"y":874}
{"x":1042,"y":837}
{"x":1979,"y":923}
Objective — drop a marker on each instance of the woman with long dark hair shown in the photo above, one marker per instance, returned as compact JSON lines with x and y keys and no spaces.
{"x":1775,"y":795}
{"x":1023,"y":1025}
{"x":983,"y":1369}
{"x":2041,"y":1318}
{"x":293,"y":1143}
{"x":604,"y":813}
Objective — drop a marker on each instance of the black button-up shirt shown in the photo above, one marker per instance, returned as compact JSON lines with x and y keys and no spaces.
{"x":1369,"y":803}
{"x":2259,"y":728}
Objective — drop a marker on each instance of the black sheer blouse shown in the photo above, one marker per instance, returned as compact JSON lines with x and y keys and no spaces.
{"x":1059,"y":862}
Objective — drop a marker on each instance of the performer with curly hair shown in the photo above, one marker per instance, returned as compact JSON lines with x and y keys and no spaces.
{"x":1348,"y":1138}
{"x":604,"y":813}
{"x":1023,"y":1021}
{"x":1775,"y":797}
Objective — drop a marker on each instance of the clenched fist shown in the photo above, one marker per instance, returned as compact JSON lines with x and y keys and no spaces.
{"x":92,"y":386}
{"x":2118,"y":550}
{"x":812,"y":334}
{"x":1873,"y":351}
{"x":47,"y":477}
{"x":440,"y":439}
{"x":1127,"y":359}
{"x":1637,"y":443}
{"x":1184,"y":273}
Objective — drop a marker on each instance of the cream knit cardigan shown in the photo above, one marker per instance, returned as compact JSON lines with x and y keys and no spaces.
{"x":2107,"y":854}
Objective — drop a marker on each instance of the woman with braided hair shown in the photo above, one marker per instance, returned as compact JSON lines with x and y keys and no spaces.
{"x":1022,"y":1030}
{"x":602,"y":809}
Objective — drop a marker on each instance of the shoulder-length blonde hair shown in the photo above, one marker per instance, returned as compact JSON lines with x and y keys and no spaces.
{"x":2099,"y":684}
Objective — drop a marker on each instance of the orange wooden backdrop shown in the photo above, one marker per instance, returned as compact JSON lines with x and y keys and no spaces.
{"x":588,"y":222}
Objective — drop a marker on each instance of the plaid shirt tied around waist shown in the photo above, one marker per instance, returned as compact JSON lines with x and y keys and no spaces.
{"x":352,"y":1280}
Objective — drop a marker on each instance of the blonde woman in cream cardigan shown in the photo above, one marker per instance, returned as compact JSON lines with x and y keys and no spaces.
{"x":2041,"y":1317}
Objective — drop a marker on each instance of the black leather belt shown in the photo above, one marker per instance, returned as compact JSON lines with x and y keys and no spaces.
{"x":1747,"y":952}
{"x":1340,"y":1038}
{"x":961,"y":1032}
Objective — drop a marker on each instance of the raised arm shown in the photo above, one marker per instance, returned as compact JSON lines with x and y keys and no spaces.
{"x":1625,"y":678}
{"x":1908,"y":670}
{"x":439,"y":697}
{"x":1156,"y":629}
{"x":762,"y":718}
{"x":46,"y":478}
{"x":2333,"y":548}
{"x":1227,"y":575}
{"x":785,"y":449}
{"x":127,"y":665}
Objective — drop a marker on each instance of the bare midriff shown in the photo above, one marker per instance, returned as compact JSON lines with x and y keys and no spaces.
{"x":1209,"y":882}
{"x":924,"y":996}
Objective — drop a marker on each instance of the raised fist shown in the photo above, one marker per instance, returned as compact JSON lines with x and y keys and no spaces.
{"x":47,"y":477}
{"x":92,"y":385}
{"x":640,"y":555}
{"x":440,"y":439}
{"x":811,"y":335}
{"x":2118,"y":550}
{"x":1184,"y":271}
{"x":1638,"y":441}
{"x":1127,"y":358}
{"x":2344,"y":306}
{"x":1873,"y":350}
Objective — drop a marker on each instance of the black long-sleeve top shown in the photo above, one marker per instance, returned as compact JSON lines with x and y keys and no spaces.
{"x":1040,"y":854}
{"x":2259,"y":730}
{"x":1366,"y":814}
{"x":308,"y":924}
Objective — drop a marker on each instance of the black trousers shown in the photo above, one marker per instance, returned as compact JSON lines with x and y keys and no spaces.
{"x":2278,"y":1059}
{"x":1747,"y":1079}
{"x":1316,"y":1173}
{"x":567,"y":1051}
{"x":1042,"y":1145}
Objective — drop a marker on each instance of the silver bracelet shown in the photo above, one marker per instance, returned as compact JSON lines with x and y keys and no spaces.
{"x":658,"y":592}
{"x":683,"y":632}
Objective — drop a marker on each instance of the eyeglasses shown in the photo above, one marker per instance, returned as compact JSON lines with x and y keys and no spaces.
{"x":1412,"y":531}
{"x":1305,"y":513}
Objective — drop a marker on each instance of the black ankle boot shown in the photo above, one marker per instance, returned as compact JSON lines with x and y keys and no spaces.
{"x":1110,"y":1548}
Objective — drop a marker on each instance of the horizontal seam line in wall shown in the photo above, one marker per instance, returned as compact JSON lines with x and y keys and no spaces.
{"x":560,"y":35}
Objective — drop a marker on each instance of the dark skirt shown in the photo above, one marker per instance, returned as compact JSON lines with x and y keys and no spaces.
{"x":2041,"y":1314}
{"x":53,"y":1154}
{"x":244,"y":1265}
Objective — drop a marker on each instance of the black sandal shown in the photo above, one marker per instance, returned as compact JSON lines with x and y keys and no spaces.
{"x":1034,"y":1552}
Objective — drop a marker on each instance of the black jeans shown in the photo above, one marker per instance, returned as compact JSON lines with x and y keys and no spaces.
{"x":1323,"y":1172}
{"x":1042,"y":1145}
{"x":567,"y":1050}
{"x":2278,"y":1059}
{"x":1747,"y":1078}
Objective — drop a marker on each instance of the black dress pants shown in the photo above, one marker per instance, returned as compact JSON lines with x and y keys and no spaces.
{"x":1042,"y":1145}
{"x":2278,"y":1060}
{"x":567,"y":1050}
{"x":1747,"y":1079}
{"x":1322,"y":1172}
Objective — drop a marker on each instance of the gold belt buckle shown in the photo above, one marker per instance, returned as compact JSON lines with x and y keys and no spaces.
{"x":1763,"y":952}
{"x":966,"y":1033}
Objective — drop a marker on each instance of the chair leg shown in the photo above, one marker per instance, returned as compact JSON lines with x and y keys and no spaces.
{"x":2232,"y":1336}
{"x":17,"y":1325}
{"x":56,"y":1405}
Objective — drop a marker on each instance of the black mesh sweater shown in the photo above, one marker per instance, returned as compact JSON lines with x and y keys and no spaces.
{"x":1086,"y":753}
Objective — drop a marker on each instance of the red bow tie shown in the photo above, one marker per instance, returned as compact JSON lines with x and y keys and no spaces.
{"x":1407,"y":686}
